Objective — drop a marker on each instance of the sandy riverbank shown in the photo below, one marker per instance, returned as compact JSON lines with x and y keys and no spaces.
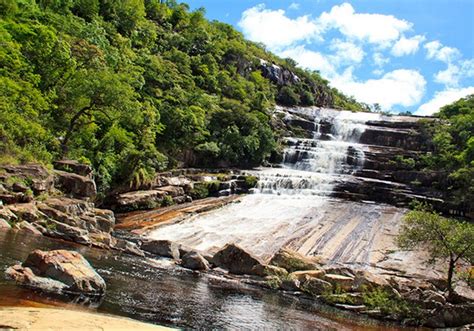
{"x":25,"y":318}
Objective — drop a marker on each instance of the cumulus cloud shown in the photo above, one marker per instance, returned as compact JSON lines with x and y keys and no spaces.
{"x":294,"y":6}
{"x":453,"y":74}
{"x":406,"y":46}
{"x":374,"y":28}
{"x":436,"y":50}
{"x":379,"y":59}
{"x":442,"y":98}
{"x":310,"y":60}
{"x":346,"y":52}
{"x":274,"y":28}
{"x":402,"y":87}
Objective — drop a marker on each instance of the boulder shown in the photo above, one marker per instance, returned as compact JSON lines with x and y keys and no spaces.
{"x":194,"y":261}
{"x":74,"y":167}
{"x":316,"y":286}
{"x":164,"y":248}
{"x":59,"y":271}
{"x":449,"y":316}
{"x":237,"y":260}
{"x":269,"y":270}
{"x":7,"y":215}
{"x":344,"y":283}
{"x":26,"y":211}
{"x":75,"y":185}
{"x":293,"y":261}
{"x":128,"y":247}
{"x":133,"y":200}
{"x":173,"y":191}
{"x":28,"y":227}
{"x":291,"y":284}
{"x":4,"y":225}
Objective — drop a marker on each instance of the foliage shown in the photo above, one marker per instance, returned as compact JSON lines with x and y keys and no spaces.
{"x":389,"y":304}
{"x":135,"y":86}
{"x":443,"y":238}
{"x":167,"y":201}
{"x":453,"y":149}
{"x":199,"y":191}
{"x":251,"y":181}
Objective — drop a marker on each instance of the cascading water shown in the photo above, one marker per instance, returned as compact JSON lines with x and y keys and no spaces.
{"x":313,"y":165}
{"x":293,"y":206}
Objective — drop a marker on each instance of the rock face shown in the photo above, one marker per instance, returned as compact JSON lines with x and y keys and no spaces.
{"x":75,"y":185}
{"x":39,"y":178}
{"x":164,"y":248}
{"x":237,"y":260}
{"x":194,"y":261}
{"x":72,"y":218}
{"x":58,"y":271}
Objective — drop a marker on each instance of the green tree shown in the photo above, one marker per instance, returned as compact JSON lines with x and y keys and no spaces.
{"x":443,"y":238}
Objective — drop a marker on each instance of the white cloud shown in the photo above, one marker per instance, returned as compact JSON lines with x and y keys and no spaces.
{"x":406,"y":46}
{"x":449,"y":77}
{"x":380,"y":60}
{"x":294,"y":6}
{"x":399,"y":87}
{"x":346,"y":52}
{"x":452,"y":75}
{"x":375,"y":28}
{"x":442,"y":98}
{"x":436,"y":50}
{"x":310,"y":60}
{"x":274,"y":28}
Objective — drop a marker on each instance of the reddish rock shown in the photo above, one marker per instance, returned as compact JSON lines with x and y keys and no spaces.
{"x":58,"y":271}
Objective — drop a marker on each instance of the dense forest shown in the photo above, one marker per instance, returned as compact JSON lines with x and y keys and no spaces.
{"x":453,"y":150}
{"x":135,"y":86}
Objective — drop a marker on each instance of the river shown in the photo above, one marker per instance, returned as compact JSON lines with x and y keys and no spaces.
{"x":155,"y":291}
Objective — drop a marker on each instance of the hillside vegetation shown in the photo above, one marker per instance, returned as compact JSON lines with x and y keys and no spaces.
{"x":453,"y":151}
{"x":135,"y":86}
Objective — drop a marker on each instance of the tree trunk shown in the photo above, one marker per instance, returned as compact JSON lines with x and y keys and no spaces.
{"x":450,"y":276}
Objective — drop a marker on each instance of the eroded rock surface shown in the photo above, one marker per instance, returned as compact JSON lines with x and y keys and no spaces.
{"x":58,"y":271}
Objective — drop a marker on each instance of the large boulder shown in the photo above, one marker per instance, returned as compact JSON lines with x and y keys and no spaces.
{"x":293,"y":261}
{"x":164,"y":248}
{"x":134,"y":200}
{"x":74,"y":167}
{"x":75,"y":185}
{"x":58,"y":271}
{"x":237,"y":260}
{"x":194,"y":261}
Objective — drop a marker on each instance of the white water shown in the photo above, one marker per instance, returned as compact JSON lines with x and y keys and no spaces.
{"x":291,"y":206}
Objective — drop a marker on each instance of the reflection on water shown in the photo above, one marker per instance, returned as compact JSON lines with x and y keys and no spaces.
{"x":153,"y":291}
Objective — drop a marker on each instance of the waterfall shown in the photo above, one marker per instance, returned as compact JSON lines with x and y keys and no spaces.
{"x":292,"y":205}
{"x":312,"y":166}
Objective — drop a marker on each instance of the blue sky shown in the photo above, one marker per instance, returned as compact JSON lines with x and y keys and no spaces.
{"x":406,"y":55}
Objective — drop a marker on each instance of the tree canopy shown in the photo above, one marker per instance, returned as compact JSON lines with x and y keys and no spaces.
{"x":445,"y":239}
{"x":134,"y":86}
